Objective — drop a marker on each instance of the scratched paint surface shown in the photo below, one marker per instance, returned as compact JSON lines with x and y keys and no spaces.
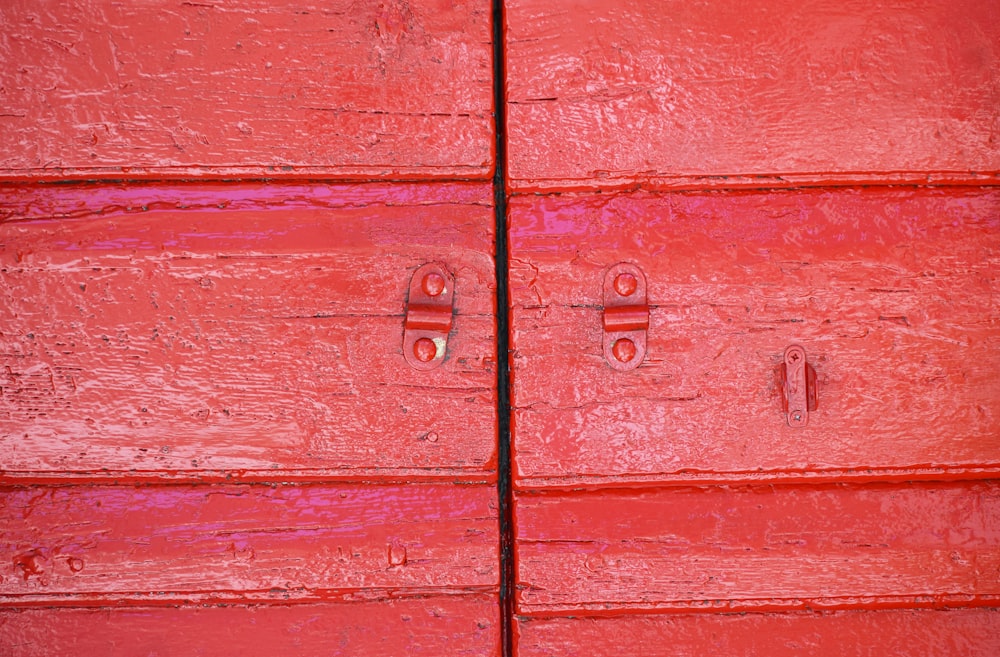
{"x":170,"y":89}
{"x":903,"y":633}
{"x":453,"y":625}
{"x":93,"y":544}
{"x":892,"y":294}
{"x":241,"y":331}
{"x":725,"y":93}
{"x":761,"y":548}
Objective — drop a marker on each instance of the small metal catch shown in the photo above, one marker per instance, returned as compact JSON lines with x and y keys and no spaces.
{"x":798,"y":386}
{"x":429,"y":311}
{"x":626,"y":317}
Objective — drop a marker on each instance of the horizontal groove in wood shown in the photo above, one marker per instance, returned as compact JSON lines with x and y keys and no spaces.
{"x":68,"y":545}
{"x":890,"y":292}
{"x":903,"y":633}
{"x":759,"y":548}
{"x":429,"y":626}
{"x":814,"y":476}
{"x":169,"y":89}
{"x":735,"y":181}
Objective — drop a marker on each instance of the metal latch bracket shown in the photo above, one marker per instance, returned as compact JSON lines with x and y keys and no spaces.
{"x":625,"y":317}
{"x":429,"y":310}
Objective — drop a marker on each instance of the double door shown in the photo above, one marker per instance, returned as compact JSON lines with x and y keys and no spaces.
{"x":249,"y":385}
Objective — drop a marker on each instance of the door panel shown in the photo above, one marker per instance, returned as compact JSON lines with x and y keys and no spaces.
{"x":814,"y":174}
{"x":236,"y":88}
{"x":242,"y":332}
{"x":722,"y":94}
{"x":382,"y":628}
{"x":890,"y":292}
{"x":211,"y":441}
{"x":899,"y":632}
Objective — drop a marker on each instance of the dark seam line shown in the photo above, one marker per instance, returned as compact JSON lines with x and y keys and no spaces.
{"x":504,"y":478}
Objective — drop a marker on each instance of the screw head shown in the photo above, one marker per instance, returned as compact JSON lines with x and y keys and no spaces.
{"x":625,"y":284}
{"x":433,"y":284}
{"x":624,"y":350}
{"x":424,"y":350}
{"x":794,"y":354}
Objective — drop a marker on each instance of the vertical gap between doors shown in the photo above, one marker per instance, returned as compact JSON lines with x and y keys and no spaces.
{"x":504,"y":477}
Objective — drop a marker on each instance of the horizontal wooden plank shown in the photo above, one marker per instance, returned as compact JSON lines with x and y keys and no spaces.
{"x":680,"y":94}
{"x":455,"y":625}
{"x":96,"y":544}
{"x":248,"y":331}
{"x":903,"y":633}
{"x":760,"y":548}
{"x":362,"y":239}
{"x":254,"y":88}
{"x":892,"y":294}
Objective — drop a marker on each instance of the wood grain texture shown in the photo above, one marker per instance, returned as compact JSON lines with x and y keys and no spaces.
{"x":909,"y":633}
{"x":723,"y":94}
{"x":761,"y":548}
{"x":252,"y":88}
{"x":455,"y":625}
{"x":245,"y":331}
{"x":164,"y":544}
{"x":892,"y":293}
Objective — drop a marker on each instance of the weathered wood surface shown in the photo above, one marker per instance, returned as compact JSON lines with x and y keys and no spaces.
{"x":901,"y":633}
{"x":253,"y":331}
{"x":451,"y":625}
{"x":761,"y":548}
{"x":892,"y":293}
{"x":277,"y":543}
{"x":253,"y":88}
{"x":720,"y":94}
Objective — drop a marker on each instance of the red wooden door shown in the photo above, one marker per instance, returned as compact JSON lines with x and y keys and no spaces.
{"x":211,"y":439}
{"x":214,"y":441}
{"x":820,"y":175}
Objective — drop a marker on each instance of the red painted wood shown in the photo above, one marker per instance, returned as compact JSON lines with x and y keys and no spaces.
{"x":172,"y":89}
{"x":397,"y":628}
{"x":764,"y":94}
{"x":249,"y":331}
{"x":762,"y":548}
{"x":892,"y":294}
{"x":167,"y":544}
{"x":909,"y":633}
